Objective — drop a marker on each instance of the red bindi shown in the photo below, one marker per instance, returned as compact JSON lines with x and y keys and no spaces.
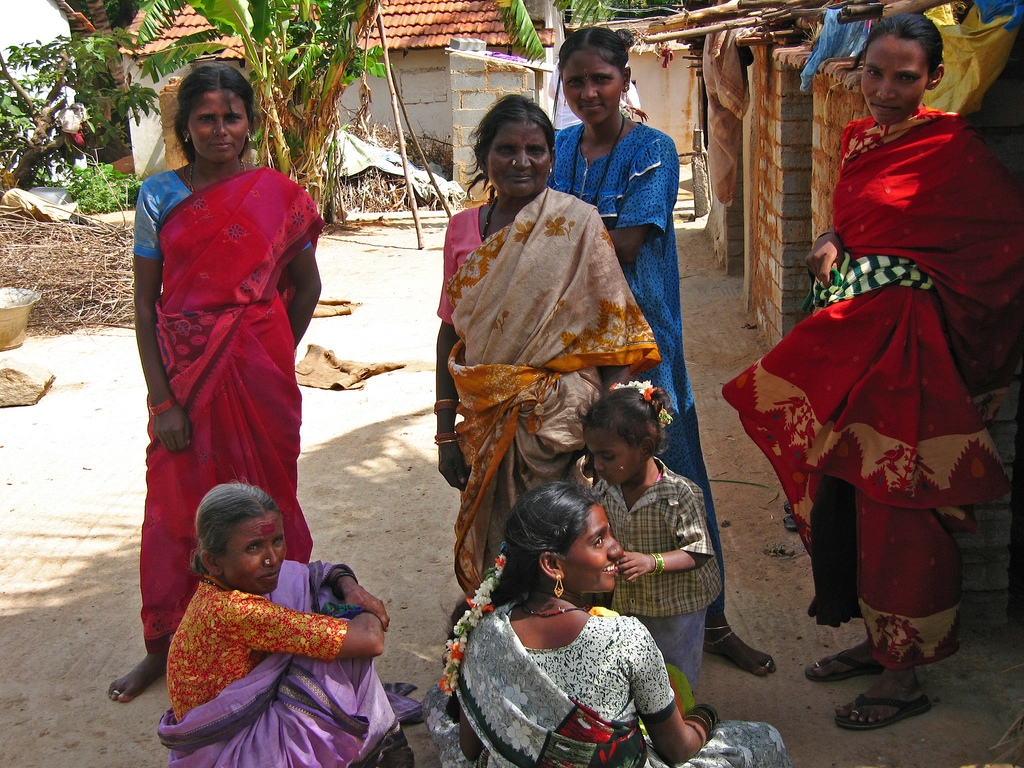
{"x":266,"y":529}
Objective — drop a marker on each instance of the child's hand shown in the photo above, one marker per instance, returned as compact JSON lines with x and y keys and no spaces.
{"x":633,"y":565}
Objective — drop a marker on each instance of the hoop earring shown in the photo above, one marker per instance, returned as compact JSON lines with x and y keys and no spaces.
{"x":559,"y":589}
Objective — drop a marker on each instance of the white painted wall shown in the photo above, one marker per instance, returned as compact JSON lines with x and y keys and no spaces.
{"x":26,"y":21}
{"x":422,"y":79}
{"x":670,"y":96}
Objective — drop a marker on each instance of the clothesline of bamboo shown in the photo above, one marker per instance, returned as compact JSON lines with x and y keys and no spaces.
{"x":768,"y":17}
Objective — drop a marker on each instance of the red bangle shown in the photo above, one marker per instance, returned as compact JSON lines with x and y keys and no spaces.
{"x":446,"y":405}
{"x":447,"y":437}
{"x":164,"y":407}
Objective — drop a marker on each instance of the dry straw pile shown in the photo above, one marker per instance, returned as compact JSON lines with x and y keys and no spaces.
{"x":83,"y":271}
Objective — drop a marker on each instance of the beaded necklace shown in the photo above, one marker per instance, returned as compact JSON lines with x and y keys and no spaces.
{"x":487,"y":221}
{"x":604,"y":173}
{"x":553,"y":612}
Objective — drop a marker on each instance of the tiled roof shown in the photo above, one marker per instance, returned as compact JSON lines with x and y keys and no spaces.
{"x":77,"y":23}
{"x":187,"y":22}
{"x":423,"y":24}
{"x":407,"y":24}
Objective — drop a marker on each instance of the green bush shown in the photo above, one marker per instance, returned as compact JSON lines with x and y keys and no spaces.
{"x":101,"y":189}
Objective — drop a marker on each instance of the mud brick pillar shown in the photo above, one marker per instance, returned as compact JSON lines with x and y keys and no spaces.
{"x":780,"y":200}
{"x":986,"y":554}
{"x":476,"y":83}
{"x":726,"y":226}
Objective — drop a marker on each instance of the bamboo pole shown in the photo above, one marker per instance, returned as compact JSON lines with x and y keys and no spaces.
{"x":419,"y":151}
{"x":690,"y":18}
{"x":401,"y":137}
{"x":690,"y":34}
{"x":860,"y":11}
{"x":910,"y":6}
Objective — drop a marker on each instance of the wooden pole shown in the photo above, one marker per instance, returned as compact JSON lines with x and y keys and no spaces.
{"x":401,"y":136}
{"x":690,"y":34}
{"x":910,"y":6}
{"x":419,"y":151}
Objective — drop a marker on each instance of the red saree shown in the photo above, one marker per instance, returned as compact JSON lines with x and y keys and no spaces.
{"x":890,"y":390}
{"x":227,"y":345}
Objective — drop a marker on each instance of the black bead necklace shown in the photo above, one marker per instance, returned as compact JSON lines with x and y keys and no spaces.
{"x":604,"y":173}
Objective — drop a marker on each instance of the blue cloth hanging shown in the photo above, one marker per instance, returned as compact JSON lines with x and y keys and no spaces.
{"x":837,"y":41}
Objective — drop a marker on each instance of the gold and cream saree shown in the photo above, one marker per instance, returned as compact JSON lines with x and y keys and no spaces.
{"x":539,"y":307}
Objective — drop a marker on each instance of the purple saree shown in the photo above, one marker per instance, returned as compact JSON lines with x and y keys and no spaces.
{"x":291,"y":711}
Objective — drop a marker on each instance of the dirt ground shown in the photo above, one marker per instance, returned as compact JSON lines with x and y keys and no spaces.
{"x":71,"y":500}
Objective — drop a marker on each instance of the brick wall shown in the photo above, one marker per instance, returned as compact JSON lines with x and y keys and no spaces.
{"x":780,"y":201}
{"x":476,"y":83}
{"x":986,"y":554}
{"x":725,"y":227}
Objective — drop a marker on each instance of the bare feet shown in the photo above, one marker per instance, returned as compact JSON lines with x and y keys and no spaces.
{"x":899,"y":690}
{"x":127,"y":687}
{"x":720,"y":639}
{"x":846,"y":664}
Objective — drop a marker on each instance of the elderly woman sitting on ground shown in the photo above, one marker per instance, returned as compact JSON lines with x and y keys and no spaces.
{"x":266,"y":667}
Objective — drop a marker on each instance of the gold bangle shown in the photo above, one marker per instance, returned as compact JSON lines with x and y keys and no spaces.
{"x":659,"y":563}
{"x":447,"y":437}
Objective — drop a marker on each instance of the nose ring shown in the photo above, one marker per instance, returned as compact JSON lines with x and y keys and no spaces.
{"x":266,"y":563}
{"x":515,"y":164}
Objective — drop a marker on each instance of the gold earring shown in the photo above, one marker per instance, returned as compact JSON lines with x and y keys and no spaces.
{"x":559,"y":589}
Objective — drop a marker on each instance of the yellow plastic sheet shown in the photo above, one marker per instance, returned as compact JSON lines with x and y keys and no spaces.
{"x":974,"y":54}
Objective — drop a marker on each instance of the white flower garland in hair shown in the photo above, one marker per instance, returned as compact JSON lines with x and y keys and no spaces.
{"x":478,"y":606}
{"x":646,"y":390}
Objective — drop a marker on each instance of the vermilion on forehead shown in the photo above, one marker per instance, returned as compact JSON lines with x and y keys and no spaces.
{"x":267,"y":529}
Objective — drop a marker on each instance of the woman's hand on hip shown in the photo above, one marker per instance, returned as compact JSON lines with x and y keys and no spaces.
{"x":452,"y":465}
{"x":824,"y":255}
{"x":173,"y":428}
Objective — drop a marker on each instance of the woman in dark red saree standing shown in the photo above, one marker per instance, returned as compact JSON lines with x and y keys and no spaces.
{"x":225,"y":285}
{"x":874,"y":410}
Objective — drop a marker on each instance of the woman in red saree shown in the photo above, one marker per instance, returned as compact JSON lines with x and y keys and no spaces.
{"x":873,"y":411}
{"x":225,"y":284}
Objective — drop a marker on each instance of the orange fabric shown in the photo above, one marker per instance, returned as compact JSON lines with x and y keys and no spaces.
{"x":538,"y":307}
{"x":224,"y":635}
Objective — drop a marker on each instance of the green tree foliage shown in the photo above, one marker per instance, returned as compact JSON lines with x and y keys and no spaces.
{"x":522,"y":32}
{"x":101,"y":189}
{"x":299,"y":53}
{"x":39,"y":80}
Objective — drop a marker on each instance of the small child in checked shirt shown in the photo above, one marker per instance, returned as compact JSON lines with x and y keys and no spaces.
{"x":668,"y":575}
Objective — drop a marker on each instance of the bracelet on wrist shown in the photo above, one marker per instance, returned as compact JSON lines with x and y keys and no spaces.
{"x":705,"y":716}
{"x":445,"y":405}
{"x":166,"y":405}
{"x":659,"y":564}
{"x":338,"y":573}
{"x":447,"y":437}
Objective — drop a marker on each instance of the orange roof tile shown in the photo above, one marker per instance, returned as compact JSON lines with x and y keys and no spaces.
{"x":187,"y":22}
{"x":424,"y":24}
{"x":408,"y":24}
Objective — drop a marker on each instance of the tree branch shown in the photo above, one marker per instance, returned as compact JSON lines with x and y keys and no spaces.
{"x":61,"y":81}
{"x":26,"y":100}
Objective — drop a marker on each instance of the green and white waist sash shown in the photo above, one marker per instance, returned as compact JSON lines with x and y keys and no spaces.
{"x":857,"y":276}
